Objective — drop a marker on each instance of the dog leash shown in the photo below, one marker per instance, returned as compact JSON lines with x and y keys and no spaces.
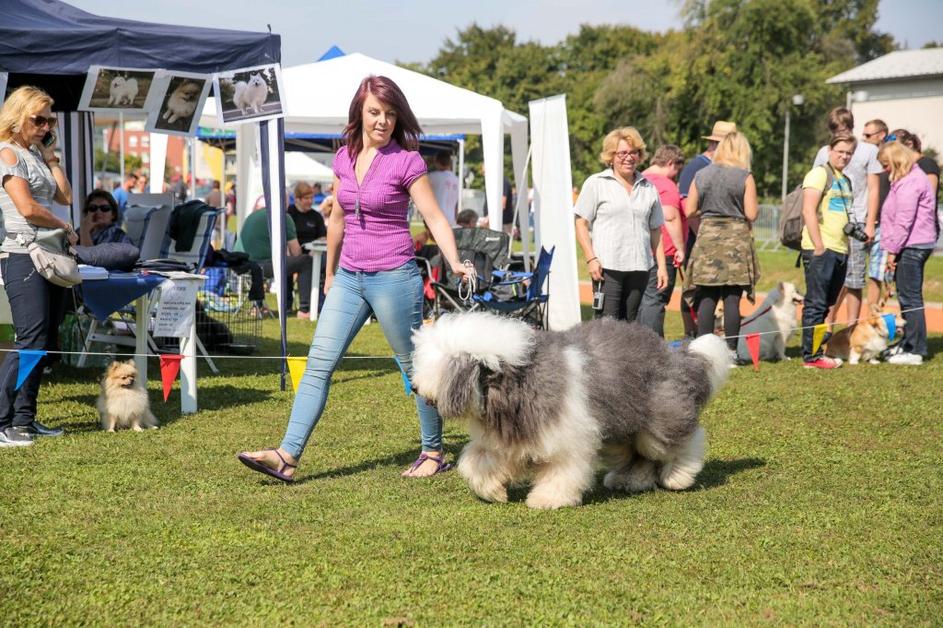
{"x":467,"y":288}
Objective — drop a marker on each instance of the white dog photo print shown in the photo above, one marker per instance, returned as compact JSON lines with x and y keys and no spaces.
{"x":117,"y":89}
{"x":181,"y":96}
{"x":249,"y":94}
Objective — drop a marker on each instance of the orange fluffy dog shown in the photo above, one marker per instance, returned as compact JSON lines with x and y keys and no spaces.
{"x":123,"y":401}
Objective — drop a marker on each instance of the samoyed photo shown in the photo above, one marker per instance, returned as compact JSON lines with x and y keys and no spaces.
{"x":252,"y":93}
{"x":181,"y":104}
{"x":116,"y":88}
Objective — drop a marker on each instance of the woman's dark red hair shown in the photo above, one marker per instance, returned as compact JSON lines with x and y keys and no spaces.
{"x":406,"y":132}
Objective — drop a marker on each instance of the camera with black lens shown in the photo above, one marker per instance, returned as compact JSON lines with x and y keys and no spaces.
{"x":856,"y":231}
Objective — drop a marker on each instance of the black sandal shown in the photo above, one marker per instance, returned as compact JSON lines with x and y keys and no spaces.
{"x":261,"y":467}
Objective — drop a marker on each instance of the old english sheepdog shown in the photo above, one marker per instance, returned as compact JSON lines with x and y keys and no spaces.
{"x":551,"y":405}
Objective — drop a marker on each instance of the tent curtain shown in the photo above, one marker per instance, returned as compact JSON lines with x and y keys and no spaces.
{"x":272,"y":145}
{"x":76,"y":142}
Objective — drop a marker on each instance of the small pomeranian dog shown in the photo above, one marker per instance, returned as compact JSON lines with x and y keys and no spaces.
{"x":123,"y":401}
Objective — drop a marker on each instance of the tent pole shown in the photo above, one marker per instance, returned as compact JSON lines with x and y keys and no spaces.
{"x":192,"y":142}
{"x":121,"y":145}
{"x":461,"y":174}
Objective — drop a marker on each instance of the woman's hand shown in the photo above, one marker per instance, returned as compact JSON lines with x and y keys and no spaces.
{"x":459,"y":269}
{"x":71,"y":235}
{"x":678,"y":258}
{"x":328,"y":280}
{"x":595,"y":269}
{"x":891,"y":263}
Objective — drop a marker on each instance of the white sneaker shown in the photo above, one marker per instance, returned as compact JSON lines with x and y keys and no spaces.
{"x":910,"y":359}
{"x":14,"y":440}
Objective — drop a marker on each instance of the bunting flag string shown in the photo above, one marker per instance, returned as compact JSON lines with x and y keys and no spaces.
{"x":753,"y":346}
{"x":169,"y":368}
{"x":296,"y":368}
{"x":29,"y":358}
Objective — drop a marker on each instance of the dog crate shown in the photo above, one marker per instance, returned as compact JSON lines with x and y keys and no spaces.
{"x":227,"y":320}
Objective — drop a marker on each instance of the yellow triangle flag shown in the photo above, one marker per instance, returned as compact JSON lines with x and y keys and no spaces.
{"x":818,"y":333}
{"x":296,"y":368}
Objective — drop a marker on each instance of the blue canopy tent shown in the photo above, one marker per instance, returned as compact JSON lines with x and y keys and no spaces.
{"x":51,"y":44}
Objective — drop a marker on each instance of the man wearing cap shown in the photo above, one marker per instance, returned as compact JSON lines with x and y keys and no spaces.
{"x":863,"y":171}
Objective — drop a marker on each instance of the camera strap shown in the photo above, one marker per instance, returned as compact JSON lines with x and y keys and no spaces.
{"x":844,"y":201}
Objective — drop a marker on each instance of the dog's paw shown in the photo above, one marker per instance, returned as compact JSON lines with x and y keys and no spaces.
{"x":137,"y":428}
{"x":641,"y":477}
{"x":544,"y":500}
{"x":874,"y":361}
{"x":496,"y":493}
{"x":111,"y":429}
{"x":625,"y":480}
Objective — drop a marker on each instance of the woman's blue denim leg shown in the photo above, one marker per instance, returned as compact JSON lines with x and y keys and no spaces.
{"x":909,"y":280}
{"x":396,"y":299}
{"x":344,"y":313}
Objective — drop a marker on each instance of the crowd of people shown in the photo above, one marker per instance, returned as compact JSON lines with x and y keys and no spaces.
{"x":869,"y":213}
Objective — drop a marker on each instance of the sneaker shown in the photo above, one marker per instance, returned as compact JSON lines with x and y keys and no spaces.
{"x":910,"y":359}
{"x":823,"y":362}
{"x":15,"y":437}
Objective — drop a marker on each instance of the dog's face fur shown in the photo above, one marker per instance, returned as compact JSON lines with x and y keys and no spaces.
{"x":449,"y":361}
{"x":188,"y":91}
{"x":120,"y":375}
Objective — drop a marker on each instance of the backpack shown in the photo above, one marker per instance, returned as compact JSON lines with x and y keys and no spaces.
{"x":790,"y":218}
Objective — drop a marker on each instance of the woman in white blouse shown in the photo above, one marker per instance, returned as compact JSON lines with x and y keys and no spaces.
{"x":618,"y":226}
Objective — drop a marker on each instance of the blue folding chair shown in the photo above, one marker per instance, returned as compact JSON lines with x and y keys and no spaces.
{"x":521,"y":295}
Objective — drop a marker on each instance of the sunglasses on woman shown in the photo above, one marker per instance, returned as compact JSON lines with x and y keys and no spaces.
{"x":41,"y":121}
{"x":97,"y":208}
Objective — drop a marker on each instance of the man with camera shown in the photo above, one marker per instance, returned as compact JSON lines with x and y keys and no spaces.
{"x":827,"y":200}
{"x":863,"y":171}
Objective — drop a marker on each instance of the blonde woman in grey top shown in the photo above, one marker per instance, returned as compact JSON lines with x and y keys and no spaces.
{"x":723,"y":263}
{"x":618,"y":226}
{"x":30,"y":179}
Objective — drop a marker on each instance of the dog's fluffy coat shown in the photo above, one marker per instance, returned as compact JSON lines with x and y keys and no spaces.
{"x":123,"y":401}
{"x":550,"y":403}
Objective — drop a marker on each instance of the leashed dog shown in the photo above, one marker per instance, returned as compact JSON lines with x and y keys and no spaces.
{"x":551,"y":404}
{"x":123,"y":401}
{"x":774,"y":320}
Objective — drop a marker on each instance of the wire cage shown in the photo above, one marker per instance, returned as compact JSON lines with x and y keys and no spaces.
{"x":226,"y":319}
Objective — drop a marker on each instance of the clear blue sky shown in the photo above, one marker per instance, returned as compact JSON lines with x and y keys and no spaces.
{"x":413,"y":30}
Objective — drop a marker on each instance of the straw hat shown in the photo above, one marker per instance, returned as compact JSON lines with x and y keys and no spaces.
{"x":721,"y":129}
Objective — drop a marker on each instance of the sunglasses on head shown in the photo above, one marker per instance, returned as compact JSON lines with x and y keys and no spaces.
{"x":42,"y":121}
{"x":97,"y":208}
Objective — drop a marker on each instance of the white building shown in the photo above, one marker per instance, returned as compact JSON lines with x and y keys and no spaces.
{"x":903,"y":88}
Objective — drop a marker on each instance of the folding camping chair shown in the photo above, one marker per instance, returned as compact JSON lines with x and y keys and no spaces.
{"x":488,"y":250}
{"x":520,"y":294}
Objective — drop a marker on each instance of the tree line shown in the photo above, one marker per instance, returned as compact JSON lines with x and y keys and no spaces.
{"x":738,"y":60}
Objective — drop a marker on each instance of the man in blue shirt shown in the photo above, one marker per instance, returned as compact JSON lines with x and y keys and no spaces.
{"x":121,"y":192}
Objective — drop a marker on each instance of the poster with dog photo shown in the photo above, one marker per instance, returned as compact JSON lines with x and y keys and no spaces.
{"x":117,"y":89}
{"x":249,"y":94}
{"x":181,"y":96}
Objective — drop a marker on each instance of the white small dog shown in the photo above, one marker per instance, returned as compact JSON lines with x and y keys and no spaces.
{"x":250,"y":95}
{"x":550,"y":403}
{"x":122,"y":91}
{"x":774,"y":320}
{"x":123,"y":401}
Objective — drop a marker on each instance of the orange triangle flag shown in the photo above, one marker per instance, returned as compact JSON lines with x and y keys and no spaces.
{"x":753,"y":345}
{"x":169,"y":368}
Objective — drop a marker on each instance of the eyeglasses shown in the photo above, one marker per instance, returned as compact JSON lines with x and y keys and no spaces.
{"x":42,"y":121}
{"x":623,"y":155}
{"x":97,"y":208}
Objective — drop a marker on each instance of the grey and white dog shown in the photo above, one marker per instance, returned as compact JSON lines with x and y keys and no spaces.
{"x":551,"y":405}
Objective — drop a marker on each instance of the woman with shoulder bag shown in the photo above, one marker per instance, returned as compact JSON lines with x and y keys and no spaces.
{"x":30,"y":179}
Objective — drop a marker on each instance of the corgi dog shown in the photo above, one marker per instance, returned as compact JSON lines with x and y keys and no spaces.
{"x":864,"y":340}
{"x":251,"y":94}
{"x":183,"y":101}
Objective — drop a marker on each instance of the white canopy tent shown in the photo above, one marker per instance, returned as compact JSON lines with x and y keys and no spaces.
{"x":317,"y":98}
{"x":302,"y":167}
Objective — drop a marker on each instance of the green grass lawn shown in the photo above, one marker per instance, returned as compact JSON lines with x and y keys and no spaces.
{"x":821,"y":503}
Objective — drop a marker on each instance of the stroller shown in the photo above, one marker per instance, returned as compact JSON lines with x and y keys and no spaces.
{"x":488,"y":250}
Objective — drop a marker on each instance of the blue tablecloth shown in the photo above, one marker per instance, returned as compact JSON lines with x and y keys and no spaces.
{"x":105,"y":296}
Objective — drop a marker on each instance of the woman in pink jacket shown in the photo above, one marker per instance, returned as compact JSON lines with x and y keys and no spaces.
{"x":909,"y":231}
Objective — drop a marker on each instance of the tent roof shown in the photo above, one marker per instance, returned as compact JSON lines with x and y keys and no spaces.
{"x":51,"y":37}
{"x":318,"y":98}
{"x":302,"y":167}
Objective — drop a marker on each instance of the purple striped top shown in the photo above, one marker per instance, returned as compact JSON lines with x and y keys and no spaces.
{"x":379,"y":238}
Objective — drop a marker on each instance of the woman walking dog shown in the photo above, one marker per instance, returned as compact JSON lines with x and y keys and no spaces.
{"x":370,"y":266}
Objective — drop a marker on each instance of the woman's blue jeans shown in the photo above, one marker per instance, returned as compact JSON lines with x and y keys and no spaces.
{"x":909,"y":280}
{"x":395,"y":298}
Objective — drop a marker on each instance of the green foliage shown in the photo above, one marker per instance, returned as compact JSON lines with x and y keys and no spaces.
{"x":739,"y":60}
{"x":110,"y":162}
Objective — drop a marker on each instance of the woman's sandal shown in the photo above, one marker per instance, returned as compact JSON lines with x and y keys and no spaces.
{"x":441,"y":465}
{"x":261,"y":467}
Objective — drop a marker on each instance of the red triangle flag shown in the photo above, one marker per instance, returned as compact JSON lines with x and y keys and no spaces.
{"x":753,"y":346}
{"x":169,"y":368}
